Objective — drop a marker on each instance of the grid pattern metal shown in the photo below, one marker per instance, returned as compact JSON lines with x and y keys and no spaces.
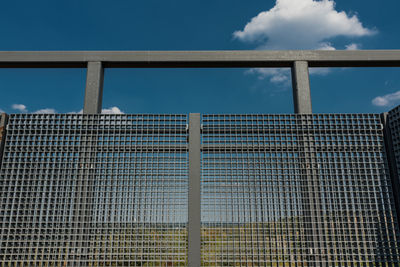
{"x":394,"y":124}
{"x":94,"y":190}
{"x":3,"y":121}
{"x":296,"y":190}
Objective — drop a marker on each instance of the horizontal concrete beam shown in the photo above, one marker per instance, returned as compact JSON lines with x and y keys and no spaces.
{"x":199,"y":59}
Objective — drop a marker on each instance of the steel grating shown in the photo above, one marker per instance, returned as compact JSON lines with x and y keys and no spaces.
{"x":296,"y":190}
{"x":94,"y":190}
{"x":394,"y":125}
{"x":3,"y":123}
{"x":276,"y":190}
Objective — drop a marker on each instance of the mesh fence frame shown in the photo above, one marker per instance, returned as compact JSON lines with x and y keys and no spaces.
{"x":3,"y":122}
{"x":277,"y":190}
{"x":94,"y":190}
{"x":296,"y":190}
{"x":394,"y":125}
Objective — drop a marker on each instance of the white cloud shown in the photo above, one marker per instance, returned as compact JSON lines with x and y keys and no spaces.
{"x":300,"y":24}
{"x":325,"y":46}
{"x":74,"y":112}
{"x":22,"y":108}
{"x":353,"y":46}
{"x":45,"y":111}
{"x":282,"y":76}
{"x":2,"y":111}
{"x":19,"y":107}
{"x":112,"y":110}
{"x":274,"y":75}
{"x":387,"y":100}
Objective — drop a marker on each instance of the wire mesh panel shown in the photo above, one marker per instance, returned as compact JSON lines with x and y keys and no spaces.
{"x":296,"y":190}
{"x":3,"y":120}
{"x":394,"y":124}
{"x":94,"y":190}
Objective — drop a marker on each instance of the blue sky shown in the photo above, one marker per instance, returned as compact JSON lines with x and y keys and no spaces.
{"x":199,"y":25}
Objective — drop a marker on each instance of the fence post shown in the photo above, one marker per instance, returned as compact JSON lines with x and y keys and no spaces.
{"x":3,"y":124}
{"x":391,"y":160}
{"x":94,"y":88}
{"x":301,"y":88}
{"x":194,"y":240}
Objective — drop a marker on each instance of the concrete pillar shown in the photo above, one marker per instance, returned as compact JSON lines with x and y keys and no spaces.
{"x":301,"y":88}
{"x":194,"y":219}
{"x":94,"y":88}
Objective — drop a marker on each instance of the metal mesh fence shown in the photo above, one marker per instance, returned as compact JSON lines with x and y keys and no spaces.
{"x":296,"y":190}
{"x":394,"y":124}
{"x":94,"y":190}
{"x":276,"y":190}
{"x":3,"y":121}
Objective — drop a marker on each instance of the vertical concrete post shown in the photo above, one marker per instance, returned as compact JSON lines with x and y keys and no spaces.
{"x":301,"y":88}
{"x":94,"y":88}
{"x":194,"y":258}
{"x":3,"y":124}
{"x":313,"y":209}
{"x":391,"y":160}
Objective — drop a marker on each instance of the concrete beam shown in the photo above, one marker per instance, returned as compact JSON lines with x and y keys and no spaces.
{"x":301,"y":88}
{"x":94,"y":88}
{"x":199,"y":59}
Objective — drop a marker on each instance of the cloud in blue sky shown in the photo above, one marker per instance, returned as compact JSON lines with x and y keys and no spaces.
{"x":387,"y":100}
{"x":19,"y":107}
{"x":23,"y":109}
{"x":300,"y":24}
{"x":45,"y":111}
{"x":353,"y":46}
{"x":111,"y":110}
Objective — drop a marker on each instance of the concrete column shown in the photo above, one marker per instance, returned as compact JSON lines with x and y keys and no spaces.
{"x":3,"y":125}
{"x":391,"y":160}
{"x":301,"y":88}
{"x":194,"y":257}
{"x":94,"y":88}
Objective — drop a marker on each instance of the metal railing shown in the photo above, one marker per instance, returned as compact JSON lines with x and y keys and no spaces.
{"x":214,"y":190}
{"x":299,"y":61}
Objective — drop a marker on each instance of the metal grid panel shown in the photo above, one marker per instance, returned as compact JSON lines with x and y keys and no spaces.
{"x":3,"y":121}
{"x":94,"y":190}
{"x":296,"y":190}
{"x":394,"y":124}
